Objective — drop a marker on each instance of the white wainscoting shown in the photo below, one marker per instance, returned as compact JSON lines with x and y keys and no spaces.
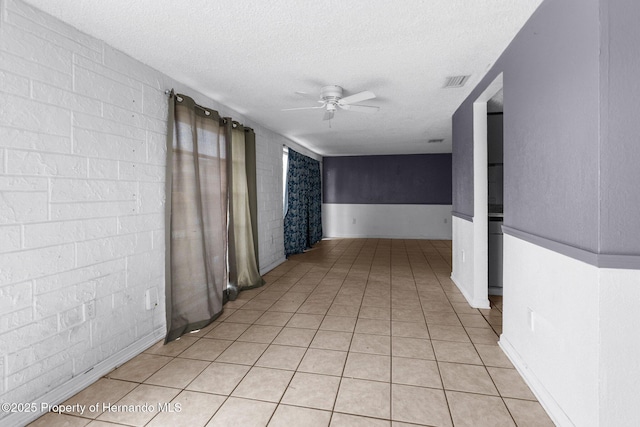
{"x":619,"y":347}
{"x":464,"y":258}
{"x":387,"y":221}
{"x":551,"y":329}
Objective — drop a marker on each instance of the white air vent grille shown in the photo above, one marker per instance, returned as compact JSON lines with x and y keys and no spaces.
{"x":435,"y":141}
{"x":456,"y":81}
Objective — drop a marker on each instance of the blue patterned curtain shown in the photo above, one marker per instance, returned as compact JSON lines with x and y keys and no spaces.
{"x":303,"y":219}
{"x":315,"y":202}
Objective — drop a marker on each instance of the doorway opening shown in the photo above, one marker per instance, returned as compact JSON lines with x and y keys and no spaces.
{"x":481,"y":217}
{"x":495,"y":190}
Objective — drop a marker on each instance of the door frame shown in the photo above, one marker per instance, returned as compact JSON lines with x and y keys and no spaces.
{"x":481,"y":195}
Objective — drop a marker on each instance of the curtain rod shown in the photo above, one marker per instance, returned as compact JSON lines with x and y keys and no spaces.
{"x":179,"y":98}
{"x":207,"y":112}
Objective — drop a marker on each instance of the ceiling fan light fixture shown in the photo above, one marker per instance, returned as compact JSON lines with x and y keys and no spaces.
{"x":331,"y":92}
{"x":331,"y":98}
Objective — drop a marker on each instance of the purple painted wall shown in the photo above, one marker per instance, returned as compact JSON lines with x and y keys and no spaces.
{"x":620,"y":128}
{"x":462,"y":162}
{"x":551,"y":126}
{"x":423,"y":179}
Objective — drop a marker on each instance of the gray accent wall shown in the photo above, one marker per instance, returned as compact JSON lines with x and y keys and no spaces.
{"x":620,"y":128}
{"x":462,"y":162}
{"x":415,"y":179}
{"x":552,"y":90}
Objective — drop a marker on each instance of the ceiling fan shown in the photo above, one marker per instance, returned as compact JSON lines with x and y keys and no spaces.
{"x":331,"y":99}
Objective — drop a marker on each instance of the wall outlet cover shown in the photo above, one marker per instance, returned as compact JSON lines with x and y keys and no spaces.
{"x":151,"y":298}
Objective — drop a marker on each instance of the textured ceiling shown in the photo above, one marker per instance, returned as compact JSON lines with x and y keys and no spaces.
{"x":253,"y":56}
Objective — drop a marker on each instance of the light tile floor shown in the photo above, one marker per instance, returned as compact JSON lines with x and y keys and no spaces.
{"x":355,"y":332}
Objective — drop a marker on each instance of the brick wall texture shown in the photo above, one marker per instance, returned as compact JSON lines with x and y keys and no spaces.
{"x":82,"y":182}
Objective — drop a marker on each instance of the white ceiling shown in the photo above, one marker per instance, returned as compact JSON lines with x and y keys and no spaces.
{"x":254,"y":55}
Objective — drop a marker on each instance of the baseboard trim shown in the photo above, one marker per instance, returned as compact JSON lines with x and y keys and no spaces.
{"x":381,"y":236}
{"x":268,"y":268}
{"x":475,"y":303}
{"x":553,"y":409}
{"x":82,"y":381}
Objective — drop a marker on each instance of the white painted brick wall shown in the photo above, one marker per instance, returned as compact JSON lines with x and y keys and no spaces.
{"x":269,"y":147}
{"x":269,"y":184}
{"x":82,"y":157}
{"x":73,"y":154}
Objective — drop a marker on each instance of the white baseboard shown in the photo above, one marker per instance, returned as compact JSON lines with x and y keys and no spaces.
{"x":475,"y":303}
{"x":268,"y":268}
{"x":388,"y":236}
{"x":82,"y":381}
{"x":547,"y":401}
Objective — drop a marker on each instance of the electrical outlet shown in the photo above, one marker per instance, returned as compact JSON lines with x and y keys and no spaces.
{"x":90,"y":309}
{"x":463,"y":258}
{"x":151,"y":298}
{"x":354,"y":221}
{"x":445,"y":220}
{"x":531,"y":319}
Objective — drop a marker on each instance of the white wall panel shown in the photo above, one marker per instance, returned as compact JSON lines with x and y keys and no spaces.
{"x":551,"y":329}
{"x":387,"y":221}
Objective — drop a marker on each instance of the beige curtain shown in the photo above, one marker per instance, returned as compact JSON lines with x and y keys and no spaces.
{"x":196,"y":265}
{"x":243,"y":259}
{"x":252,"y":185}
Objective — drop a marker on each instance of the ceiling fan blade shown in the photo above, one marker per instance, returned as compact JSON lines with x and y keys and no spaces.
{"x":302,"y":108}
{"x":358,"y":97}
{"x":328,"y":115}
{"x":360,"y":108}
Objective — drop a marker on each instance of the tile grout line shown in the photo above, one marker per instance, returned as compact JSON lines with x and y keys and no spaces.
{"x":444,"y":392}
{"x":400,"y":257}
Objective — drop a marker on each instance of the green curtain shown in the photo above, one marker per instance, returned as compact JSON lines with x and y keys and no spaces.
{"x":243,"y":249}
{"x":252,"y":185}
{"x":196,"y":218}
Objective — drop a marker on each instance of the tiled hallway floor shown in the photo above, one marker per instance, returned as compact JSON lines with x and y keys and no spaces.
{"x":356,"y":332}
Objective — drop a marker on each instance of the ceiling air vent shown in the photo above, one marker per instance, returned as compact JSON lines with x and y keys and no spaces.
{"x":456,"y":81}
{"x":435,"y":141}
